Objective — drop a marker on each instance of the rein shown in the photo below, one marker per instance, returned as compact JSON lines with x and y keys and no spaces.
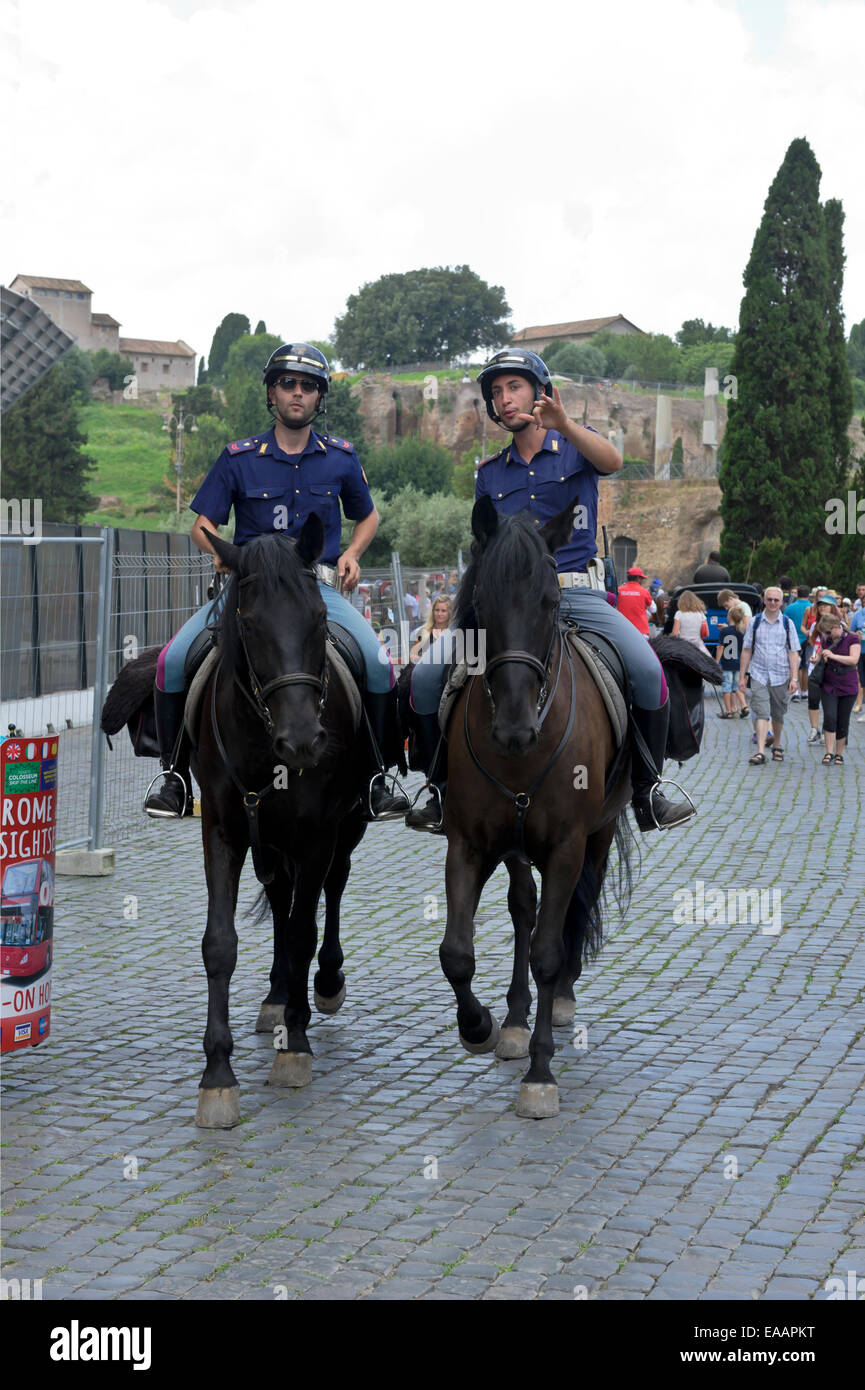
{"x":522,"y":801}
{"x":252,"y":799}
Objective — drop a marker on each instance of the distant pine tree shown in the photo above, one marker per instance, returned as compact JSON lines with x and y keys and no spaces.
{"x":42,"y":449}
{"x":777,"y":459}
{"x":260,"y":328}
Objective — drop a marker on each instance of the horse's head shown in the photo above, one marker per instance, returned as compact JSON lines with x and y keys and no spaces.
{"x":514,"y":592}
{"x":274,"y":632}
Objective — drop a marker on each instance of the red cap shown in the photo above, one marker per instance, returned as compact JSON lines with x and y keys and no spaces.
{"x":636,"y":572}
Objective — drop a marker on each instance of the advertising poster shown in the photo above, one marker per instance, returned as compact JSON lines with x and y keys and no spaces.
{"x":28,"y":775}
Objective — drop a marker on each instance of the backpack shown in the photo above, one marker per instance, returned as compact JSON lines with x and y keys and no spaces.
{"x":788,"y":623}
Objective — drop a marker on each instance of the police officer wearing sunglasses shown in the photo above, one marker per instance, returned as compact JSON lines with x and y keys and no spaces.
{"x":274,"y":481}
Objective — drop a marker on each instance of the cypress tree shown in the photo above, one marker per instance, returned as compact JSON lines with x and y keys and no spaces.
{"x":777,"y":464}
{"x":840,"y":384}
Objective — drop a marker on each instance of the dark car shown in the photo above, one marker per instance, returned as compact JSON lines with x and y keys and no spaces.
{"x":715,"y":614}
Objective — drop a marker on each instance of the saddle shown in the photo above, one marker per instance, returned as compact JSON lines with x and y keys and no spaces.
{"x":345,"y":662}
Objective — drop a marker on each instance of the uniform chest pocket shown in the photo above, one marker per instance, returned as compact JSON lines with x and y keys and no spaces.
{"x":266,"y":508}
{"x":510,"y":495}
{"x":320,"y":498}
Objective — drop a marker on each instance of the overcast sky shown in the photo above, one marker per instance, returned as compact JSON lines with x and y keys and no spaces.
{"x":186,"y":159}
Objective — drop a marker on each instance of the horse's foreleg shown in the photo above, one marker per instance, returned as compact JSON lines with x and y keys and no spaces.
{"x":522,"y":904}
{"x":219,"y":1094}
{"x":329,"y":983}
{"x":466,"y":872}
{"x":539,"y":1094}
{"x":292,"y":1064}
{"x":279,"y":892}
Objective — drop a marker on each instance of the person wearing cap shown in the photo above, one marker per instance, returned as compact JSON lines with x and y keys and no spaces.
{"x":274,"y":481}
{"x":550,"y":464}
{"x":635,"y":602}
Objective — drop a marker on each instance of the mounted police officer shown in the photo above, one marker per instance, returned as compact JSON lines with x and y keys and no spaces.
{"x":274,"y":481}
{"x":550,"y":464}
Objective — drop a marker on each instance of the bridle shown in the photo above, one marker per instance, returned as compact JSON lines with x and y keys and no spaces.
{"x":258,"y":699}
{"x":522,"y":801}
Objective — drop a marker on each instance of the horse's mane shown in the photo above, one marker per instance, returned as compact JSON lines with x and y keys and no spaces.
{"x":512,"y":556}
{"x":279,"y":573}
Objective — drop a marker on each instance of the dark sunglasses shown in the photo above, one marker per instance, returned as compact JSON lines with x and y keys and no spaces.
{"x":307,"y":384}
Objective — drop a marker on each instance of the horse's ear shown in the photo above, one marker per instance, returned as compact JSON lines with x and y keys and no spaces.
{"x":310,"y":542}
{"x":558,"y":532}
{"x":228,"y":554}
{"x":485,"y":521}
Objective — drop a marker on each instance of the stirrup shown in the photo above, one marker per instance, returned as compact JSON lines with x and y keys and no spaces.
{"x":662,"y":781}
{"x":395,"y":789}
{"x":436,"y":792}
{"x":187,"y":792}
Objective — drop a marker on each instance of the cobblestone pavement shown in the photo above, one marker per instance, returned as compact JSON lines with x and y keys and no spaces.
{"x":709,"y":1143}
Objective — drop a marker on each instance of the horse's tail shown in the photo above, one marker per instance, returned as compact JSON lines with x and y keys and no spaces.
{"x":599,"y":883}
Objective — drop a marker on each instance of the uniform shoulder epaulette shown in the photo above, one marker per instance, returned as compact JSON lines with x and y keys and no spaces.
{"x":242,"y":446}
{"x":489,"y":459}
{"x":339,"y":443}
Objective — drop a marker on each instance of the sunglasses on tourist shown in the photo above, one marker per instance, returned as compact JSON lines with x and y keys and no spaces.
{"x":307,"y":384}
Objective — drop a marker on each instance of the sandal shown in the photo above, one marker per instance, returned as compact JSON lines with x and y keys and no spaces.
{"x":757,"y":760}
{"x":777,"y":755}
{"x":725,"y":716}
{"x":743,"y":713}
{"x":839,"y":761}
{"x":827,"y":758}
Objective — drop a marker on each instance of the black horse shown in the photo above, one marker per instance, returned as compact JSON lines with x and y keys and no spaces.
{"x":280,"y":770}
{"x":534,"y":778}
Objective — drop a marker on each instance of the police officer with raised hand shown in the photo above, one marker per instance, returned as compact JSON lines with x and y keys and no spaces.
{"x":274,"y":481}
{"x":550,"y":464}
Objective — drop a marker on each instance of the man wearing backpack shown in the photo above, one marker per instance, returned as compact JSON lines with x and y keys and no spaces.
{"x":770,"y":649}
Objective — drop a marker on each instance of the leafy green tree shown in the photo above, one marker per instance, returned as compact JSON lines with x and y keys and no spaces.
{"x":464,"y":473}
{"x":638,"y":356}
{"x":43,"y":448}
{"x":201,"y":448}
{"x":197,"y":401}
{"x":233,"y":326}
{"x":77,"y":370}
{"x":426,"y":530}
{"x":577,"y":359}
{"x":840,"y":383}
{"x":249,"y":354}
{"x":695,"y":331}
{"x":777,"y":462}
{"x":693,"y":361}
{"x":413,"y":462}
{"x":245,"y":407}
{"x":423,"y":315}
{"x":260,"y":327}
{"x":112,"y":367}
{"x":849,"y":559}
{"x":856,"y":349}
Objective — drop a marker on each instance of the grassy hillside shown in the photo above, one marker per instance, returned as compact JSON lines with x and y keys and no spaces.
{"x":132,"y":454}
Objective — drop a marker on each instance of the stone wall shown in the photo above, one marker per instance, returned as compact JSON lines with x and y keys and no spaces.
{"x":675,"y":523}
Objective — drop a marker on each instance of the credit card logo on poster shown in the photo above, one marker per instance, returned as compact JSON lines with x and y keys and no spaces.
{"x":43,"y":1025}
{"x":22,"y":1031}
{"x":21,"y":777}
{"x":48,"y":778}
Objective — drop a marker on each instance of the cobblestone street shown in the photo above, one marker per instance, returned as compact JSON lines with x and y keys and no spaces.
{"x":710,"y":1137}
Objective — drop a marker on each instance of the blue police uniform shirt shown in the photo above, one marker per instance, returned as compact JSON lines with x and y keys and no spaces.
{"x":274,"y":491}
{"x":557,"y":477}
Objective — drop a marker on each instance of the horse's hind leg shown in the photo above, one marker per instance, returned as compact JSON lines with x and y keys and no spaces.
{"x":292,"y":1064}
{"x":279,"y":894}
{"x":466,"y":872}
{"x":522,"y":903}
{"x":219,"y":1094}
{"x":581,"y":922}
{"x":329,"y":982}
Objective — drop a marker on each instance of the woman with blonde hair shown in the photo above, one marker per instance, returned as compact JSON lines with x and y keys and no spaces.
{"x":690,"y":621}
{"x":437,"y":621}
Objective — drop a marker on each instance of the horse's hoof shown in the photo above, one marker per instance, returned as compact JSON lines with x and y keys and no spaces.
{"x":218,"y":1108}
{"x":538,"y":1100}
{"x":563,"y":1012}
{"x":291,"y":1069}
{"x":270,"y":1016}
{"x":489,"y":1044}
{"x":328,"y":1005}
{"x":514,"y":1042}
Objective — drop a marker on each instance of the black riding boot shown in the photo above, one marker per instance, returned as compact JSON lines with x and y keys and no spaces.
{"x":380,"y":803}
{"x":429,"y":817}
{"x":652,"y":810}
{"x":173,"y":798}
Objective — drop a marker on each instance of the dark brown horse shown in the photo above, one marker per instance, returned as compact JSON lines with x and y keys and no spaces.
{"x":531,"y":751}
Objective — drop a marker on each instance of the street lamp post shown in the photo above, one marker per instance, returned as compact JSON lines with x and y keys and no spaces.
{"x":178,"y":463}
